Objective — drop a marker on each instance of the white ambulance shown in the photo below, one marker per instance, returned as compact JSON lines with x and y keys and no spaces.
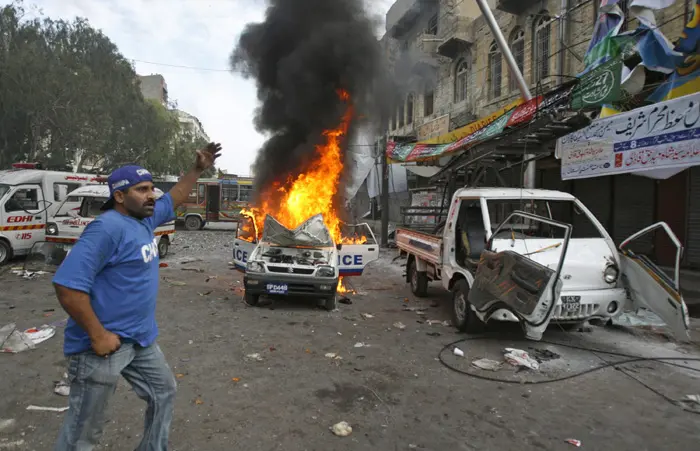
{"x":81,"y":207}
{"x":28,"y":197}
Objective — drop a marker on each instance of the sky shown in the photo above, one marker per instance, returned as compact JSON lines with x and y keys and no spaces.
{"x":199,"y":35}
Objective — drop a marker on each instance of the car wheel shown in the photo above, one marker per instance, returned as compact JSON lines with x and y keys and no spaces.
{"x":418,"y":280}
{"x":252,"y":299}
{"x":193,"y":223}
{"x":5,"y":252}
{"x":331,"y":303}
{"x":463,"y":316}
{"x":163,"y":247}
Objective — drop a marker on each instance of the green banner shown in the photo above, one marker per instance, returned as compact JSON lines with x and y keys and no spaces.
{"x":598,"y":87}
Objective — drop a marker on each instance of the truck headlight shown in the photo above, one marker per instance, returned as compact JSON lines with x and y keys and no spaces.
{"x":52,"y":229}
{"x":254,"y":267}
{"x":611,"y":274}
{"x":325,"y":271}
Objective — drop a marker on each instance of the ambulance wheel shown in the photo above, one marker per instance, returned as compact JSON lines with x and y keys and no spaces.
{"x":252,"y":299}
{"x":163,"y":246}
{"x":418,"y":280}
{"x":193,"y":223}
{"x":5,"y":252}
{"x":331,"y":303}
{"x":463,"y":317}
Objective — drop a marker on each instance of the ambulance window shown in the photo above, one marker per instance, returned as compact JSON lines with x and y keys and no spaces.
{"x":94,"y":205}
{"x":25,"y":199}
{"x":62,"y":190}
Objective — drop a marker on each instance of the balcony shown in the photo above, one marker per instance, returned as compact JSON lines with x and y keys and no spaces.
{"x":515,"y":7}
{"x":403,"y":14}
{"x":458,"y":39}
{"x":424,"y":56}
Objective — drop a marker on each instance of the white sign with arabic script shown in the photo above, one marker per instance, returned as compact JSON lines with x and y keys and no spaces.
{"x":656,"y":138}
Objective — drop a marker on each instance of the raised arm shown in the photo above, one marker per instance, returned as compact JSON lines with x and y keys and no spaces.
{"x":206,"y":158}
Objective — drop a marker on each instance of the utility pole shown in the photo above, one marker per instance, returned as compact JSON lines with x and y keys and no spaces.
{"x":529,"y":179}
{"x":384,"y":193}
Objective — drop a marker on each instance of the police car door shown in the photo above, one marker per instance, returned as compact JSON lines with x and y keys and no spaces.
{"x":24,"y":217}
{"x":650,"y":287}
{"x":244,"y":243}
{"x":352,"y":258}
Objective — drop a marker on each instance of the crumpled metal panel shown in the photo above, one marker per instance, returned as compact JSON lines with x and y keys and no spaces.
{"x":311,"y":233}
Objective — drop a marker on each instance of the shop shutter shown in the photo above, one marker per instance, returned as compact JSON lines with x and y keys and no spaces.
{"x":595,"y":194}
{"x":692,"y":252}
{"x":634,"y":201}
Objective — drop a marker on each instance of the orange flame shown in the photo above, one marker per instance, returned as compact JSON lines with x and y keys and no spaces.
{"x":312,"y":192}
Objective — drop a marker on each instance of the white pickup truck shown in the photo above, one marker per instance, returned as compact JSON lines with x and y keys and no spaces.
{"x":303,"y":262}
{"x":511,"y":254}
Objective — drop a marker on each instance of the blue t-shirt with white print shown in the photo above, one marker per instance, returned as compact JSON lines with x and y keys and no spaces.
{"x":116,"y":262}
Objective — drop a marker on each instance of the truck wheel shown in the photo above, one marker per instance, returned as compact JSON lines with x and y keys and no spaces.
{"x":418,"y":280}
{"x":252,"y":299}
{"x":463,"y":316}
{"x":5,"y":252}
{"x":193,"y":223}
{"x":163,"y":246}
{"x":331,"y":303}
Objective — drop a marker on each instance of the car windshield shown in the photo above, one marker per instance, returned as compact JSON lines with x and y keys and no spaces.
{"x":72,"y":203}
{"x":3,"y":190}
{"x":311,"y":233}
{"x":565,"y":211}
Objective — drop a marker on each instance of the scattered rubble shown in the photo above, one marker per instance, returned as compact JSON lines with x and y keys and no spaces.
{"x":342,"y":429}
{"x":520,"y":358}
{"x":458,"y":352}
{"x":573,"y":441}
{"x":13,"y":340}
{"x":399,"y":325}
{"x":47,"y":409}
{"x":487,"y":364}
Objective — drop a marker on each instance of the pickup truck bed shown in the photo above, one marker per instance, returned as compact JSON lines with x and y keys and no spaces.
{"x":424,"y":245}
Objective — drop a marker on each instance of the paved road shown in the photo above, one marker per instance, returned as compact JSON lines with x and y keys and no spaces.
{"x":393,"y":390}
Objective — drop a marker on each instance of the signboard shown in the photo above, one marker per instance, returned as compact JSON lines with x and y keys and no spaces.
{"x":656,"y":137}
{"x":436,"y":127}
{"x":598,"y":87}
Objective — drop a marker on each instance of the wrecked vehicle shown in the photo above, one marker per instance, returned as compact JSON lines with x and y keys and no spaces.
{"x":78,"y":210}
{"x":304,"y":262}
{"x":538,"y":256}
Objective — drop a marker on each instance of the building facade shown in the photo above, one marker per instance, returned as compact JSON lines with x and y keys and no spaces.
{"x":192,"y":124}
{"x":451,"y":72}
{"x":154,"y":87}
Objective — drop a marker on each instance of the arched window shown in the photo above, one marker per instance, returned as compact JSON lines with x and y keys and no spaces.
{"x":495,"y":70}
{"x":401,"y":114}
{"x":409,"y":109}
{"x":517,"y":47}
{"x":541,"y":46}
{"x":461,"y":80}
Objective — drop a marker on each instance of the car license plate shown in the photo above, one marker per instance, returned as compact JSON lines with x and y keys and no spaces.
{"x":277,"y":288}
{"x":571,"y":303}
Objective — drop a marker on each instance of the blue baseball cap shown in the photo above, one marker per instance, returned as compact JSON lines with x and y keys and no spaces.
{"x":124,"y":178}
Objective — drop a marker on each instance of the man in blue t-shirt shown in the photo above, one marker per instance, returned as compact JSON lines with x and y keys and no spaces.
{"x":108,"y":284}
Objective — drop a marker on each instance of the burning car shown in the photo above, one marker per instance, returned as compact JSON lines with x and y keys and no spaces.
{"x":305,"y":261}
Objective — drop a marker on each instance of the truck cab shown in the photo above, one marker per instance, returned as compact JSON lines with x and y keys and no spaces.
{"x":534,"y":256}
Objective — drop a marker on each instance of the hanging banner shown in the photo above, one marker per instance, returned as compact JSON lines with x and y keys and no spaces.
{"x":662,"y":136}
{"x":525,"y":112}
{"x":598,"y":87}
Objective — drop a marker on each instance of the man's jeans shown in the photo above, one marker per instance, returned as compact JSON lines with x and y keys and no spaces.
{"x":93,"y":381}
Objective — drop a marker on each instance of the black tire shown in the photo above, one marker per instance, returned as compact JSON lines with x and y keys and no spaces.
{"x":463,"y":317}
{"x":5,"y":252}
{"x":252,"y":299}
{"x":163,"y":247}
{"x":193,"y":223}
{"x":331,"y":303}
{"x":418,"y":280}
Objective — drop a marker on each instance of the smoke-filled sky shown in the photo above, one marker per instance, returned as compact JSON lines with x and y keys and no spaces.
{"x":189,"y":42}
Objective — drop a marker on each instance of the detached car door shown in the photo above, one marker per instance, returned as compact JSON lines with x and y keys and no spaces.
{"x":244,"y":243}
{"x":507,"y":279}
{"x":353,"y":257}
{"x":650,"y":287}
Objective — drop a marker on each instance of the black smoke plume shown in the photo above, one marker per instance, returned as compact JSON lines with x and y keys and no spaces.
{"x":300,"y":56}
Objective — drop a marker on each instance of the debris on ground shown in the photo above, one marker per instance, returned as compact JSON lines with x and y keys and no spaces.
{"x":6,"y":424}
{"x":458,"y":352}
{"x":9,"y":445}
{"x":487,"y":364}
{"x":345,"y":300}
{"x":691,"y":403}
{"x":573,"y":441}
{"x":62,"y":387}
{"x":13,"y":340}
{"x":333,"y":355}
{"x":543,"y":355}
{"x":342,"y":429}
{"x":399,"y":325}
{"x":193,"y":269}
{"x":437,"y":321}
{"x":47,"y":409}
{"x":433,"y":334}
{"x":163,"y":265}
{"x":520,"y":358}
{"x":206,"y":293}
{"x":198,"y":401}
{"x":174,"y":283}
{"x":366,"y":315}
{"x":254,"y":357}
{"x":361,"y":345}
{"x":415,"y":309}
